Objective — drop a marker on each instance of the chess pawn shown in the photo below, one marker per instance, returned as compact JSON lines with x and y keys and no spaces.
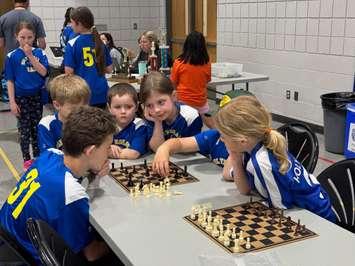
{"x":131,"y":192}
{"x":221,"y":235}
{"x":215,"y":232}
{"x":241,"y":237}
{"x":228,"y":231}
{"x":247,"y":245}
{"x":234,"y":235}
{"x":226,"y":241}
{"x":236,"y":245}
{"x":209,"y":227}
{"x":192,"y":214}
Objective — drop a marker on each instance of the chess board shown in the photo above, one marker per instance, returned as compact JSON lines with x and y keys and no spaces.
{"x":177,"y":175}
{"x":255,"y":219}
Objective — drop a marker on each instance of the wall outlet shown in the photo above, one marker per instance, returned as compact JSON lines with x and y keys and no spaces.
{"x":295,"y":96}
{"x":288,"y":94}
{"x":135,"y":26}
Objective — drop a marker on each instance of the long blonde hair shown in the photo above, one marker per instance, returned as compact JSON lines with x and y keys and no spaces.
{"x":246,"y":116}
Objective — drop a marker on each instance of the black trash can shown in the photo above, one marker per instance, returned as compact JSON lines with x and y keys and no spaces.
{"x":334,"y":114}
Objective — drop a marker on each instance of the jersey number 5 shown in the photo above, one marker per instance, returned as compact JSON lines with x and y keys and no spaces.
{"x":31,"y":185}
{"x":88,"y":56}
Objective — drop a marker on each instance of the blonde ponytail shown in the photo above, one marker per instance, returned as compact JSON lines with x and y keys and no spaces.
{"x":275,"y":142}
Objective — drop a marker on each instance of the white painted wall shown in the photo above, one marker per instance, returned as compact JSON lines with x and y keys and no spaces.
{"x":119,"y":15}
{"x":305,"y":45}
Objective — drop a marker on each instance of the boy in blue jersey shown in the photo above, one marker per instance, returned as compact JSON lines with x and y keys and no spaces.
{"x":25,"y":70}
{"x":260,"y":160}
{"x":87,"y":56}
{"x":67,"y":92}
{"x":131,"y":140}
{"x":166,"y":118}
{"x":207,"y":143}
{"x":50,"y":190}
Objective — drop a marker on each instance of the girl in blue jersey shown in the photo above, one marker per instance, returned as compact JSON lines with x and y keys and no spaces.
{"x":25,"y":70}
{"x":166,"y":118}
{"x":67,"y":32}
{"x":131,"y":140}
{"x":260,"y":160}
{"x":87,"y":56}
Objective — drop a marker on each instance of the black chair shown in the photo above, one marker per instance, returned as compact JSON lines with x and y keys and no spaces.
{"x":338,"y":181}
{"x":12,"y":251}
{"x":51,"y":248}
{"x":302,"y":144}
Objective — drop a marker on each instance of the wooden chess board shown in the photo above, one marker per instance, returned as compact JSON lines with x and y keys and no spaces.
{"x":138,"y":172}
{"x":122,"y":78}
{"x":255,"y":219}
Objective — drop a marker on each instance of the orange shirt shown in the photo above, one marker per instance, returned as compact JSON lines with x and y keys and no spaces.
{"x":191,"y":82}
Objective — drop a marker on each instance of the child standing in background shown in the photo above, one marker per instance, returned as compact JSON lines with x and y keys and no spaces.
{"x":166,"y":118}
{"x":67,"y":92}
{"x":67,"y":32}
{"x":260,"y":161}
{"x":116,"y":56}
{"x":130,"y":141}
{"x":87,"y":57}
{"x":191,"y":72}
{"x":25,"y":70}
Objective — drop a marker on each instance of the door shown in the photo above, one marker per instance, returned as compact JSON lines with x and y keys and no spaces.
{"x":5,"y":5}
{"x":187,"y":15}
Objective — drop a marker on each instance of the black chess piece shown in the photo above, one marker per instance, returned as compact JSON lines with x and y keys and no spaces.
{"x":145,"y":163}
{"x":147,"y":172}
{"x":112,"y":166}
{"x":134,"y":169}
{"x":121,"y":166}
{"x":130,"y":181}
{"x":185,"y":171}
{"x":141,"y":184}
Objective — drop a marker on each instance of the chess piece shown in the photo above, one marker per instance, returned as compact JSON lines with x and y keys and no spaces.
{"x":131,"y":192}
{"x":145,"y":163}
{"x":121,"y":166}
{"x":112,"y":166}
{"x":134,"y":169}
{"x":147,"y":172}
{"x":228,"y":231}
{"x":141,"y":184}
{"x":247,"y":245}
{"x":234,"y":235}
{"x":130,"y":181}
{"x":226,"y":241}
{"x":193,"y":214}
{"x":251,"y":199}
{"x":215,"y":232}
{"x":241,"y":237}
{"x":209,"y":226}
{"x":185,"y":171}
{"x":236,"y":245}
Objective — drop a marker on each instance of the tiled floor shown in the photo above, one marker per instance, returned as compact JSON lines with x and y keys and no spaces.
{"x":9,"y":144}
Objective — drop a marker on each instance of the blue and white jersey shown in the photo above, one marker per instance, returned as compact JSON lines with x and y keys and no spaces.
{"x":295,"y":188}
{"x":210,"y":145}
{"x":50,"y":133}
{"x":80,"y":56}
{"x":66,"y":35}
{"x":133,"y":136}
{"x":187,"y":123}
{"x":50,"y":192}
{"x":18,"y":68}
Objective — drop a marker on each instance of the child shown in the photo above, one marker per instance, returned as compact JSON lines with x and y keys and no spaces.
{"x":191,"y":72}
{"x":166,"y":118}
{"x":87,"y":56}
{"x":116,"y":55}
{"x":207,"y":143}
{"x":50,"y":190}
{"x":261,"y":162}
{"x":67,"y":32}
{"x":25,"y":70}
{"x":67,"y":91}
{"x":130,"y":141}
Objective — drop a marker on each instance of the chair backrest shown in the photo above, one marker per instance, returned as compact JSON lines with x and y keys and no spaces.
{"x":338,"y":181}
{"x":302,"y":144}
{"x":51,"y":248}
{"x":16,"y":248}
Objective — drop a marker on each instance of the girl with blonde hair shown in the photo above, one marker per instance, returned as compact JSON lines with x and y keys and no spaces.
{"x":260,"y":160}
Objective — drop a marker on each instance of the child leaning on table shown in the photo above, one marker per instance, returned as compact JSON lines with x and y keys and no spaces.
{"x":260,"y":160}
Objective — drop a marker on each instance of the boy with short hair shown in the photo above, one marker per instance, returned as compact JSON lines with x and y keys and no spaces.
{"x":50,"y":189}
{"x":67,"y":92}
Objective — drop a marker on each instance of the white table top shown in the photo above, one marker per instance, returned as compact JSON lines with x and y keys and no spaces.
{"x":244,"y":78}
{"x":152,"y":231}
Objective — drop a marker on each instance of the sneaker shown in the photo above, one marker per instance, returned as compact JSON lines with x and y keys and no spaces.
{"x":27,"y":164}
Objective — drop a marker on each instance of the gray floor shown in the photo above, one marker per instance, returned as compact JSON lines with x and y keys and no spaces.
{"x":9,"y":144}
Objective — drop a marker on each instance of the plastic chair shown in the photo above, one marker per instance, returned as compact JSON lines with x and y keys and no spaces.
{"x":15,"y":252}
{"x":302,"y":143}
{"x":51,"y":248}
{"x":338,"y":181}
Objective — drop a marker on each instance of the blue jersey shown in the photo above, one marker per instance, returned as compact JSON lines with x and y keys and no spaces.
{"x":210,"y":145}
{"x":80,"y":56}
{"x":187,"y":123}
{"x":66,"y":35}
{"x":133,"y":136}
{"x":294,"y":188}
{"x":18,"y":68}
{"x":50,"y":133}
{"x":50,"y":192}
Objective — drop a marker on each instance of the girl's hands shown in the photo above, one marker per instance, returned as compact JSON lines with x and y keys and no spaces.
{"x":160,"y":163}
{"x":115,"y":151}
{"x":15,"y":109}
{"x":149,"y":117}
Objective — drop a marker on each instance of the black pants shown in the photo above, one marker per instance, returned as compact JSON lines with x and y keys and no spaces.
{"x":30,"y":114}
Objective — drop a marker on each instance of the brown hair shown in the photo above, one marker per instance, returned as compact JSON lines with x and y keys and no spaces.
{"x":246,"y":116}
{"x":86,"y":126}
{"x":84,"y":16}
{"x":24,"y":25}
{"x":69,"y":88}
{"x":155,"y":81}
{"x":121,"y":89}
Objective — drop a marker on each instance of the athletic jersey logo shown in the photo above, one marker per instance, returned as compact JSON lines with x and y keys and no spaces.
{"x":121,"y":142}
{"x":219,"y":161}
{"x":59,"y":144}
{"x":171,"y":133}
{"x":25,"y":62}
